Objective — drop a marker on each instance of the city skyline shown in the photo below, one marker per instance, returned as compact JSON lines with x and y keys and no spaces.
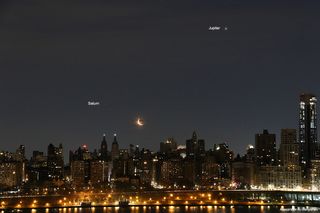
{"x":159,"y":106}
{"x":209,"y":145}
{"x":294,"y":165}
{"x":159,"y":61}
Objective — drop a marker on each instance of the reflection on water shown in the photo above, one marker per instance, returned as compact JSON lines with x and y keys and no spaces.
{"x":172,"y":209}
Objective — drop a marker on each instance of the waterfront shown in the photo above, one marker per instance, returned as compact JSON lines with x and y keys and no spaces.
{"x":167,"y":201}
{"x":172,"y":209}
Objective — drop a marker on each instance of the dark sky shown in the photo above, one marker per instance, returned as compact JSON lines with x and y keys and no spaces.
{"x":156,"y":59}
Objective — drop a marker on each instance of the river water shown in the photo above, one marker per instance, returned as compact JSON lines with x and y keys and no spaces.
{"x":176,"y":209}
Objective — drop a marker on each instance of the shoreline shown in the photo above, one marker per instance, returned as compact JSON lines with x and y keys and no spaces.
{"x":268,"y":205}
{"x":163,"y":199}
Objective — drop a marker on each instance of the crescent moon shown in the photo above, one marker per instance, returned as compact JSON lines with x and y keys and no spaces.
{"x":140,"y":122}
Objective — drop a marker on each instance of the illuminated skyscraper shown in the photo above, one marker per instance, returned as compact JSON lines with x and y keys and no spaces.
{"x":307,"y":131}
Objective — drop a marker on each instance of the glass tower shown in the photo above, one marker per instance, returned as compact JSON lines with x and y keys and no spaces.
{"x":307,"y":131}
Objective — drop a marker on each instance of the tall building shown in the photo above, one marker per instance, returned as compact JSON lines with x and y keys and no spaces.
{"x":98,"y":172}
{"x":250,"y":153}
{"x":168,"y":146}
{"x":55,"y":162}
{"x":131,"y":149}
{"x":37,"y":171}
{"x":314,"y":180}
{"x":80,"y":162}
{"x":307,"y":132}
{"x":104,"y":149}
{"x":122,"y":165}
{"x":224,"y":157}
{"x":9,"y":176}
{"x":289,"y":148}
{"x":290,"y":173}
{"x":12,"y":168}
{"x":20,"y":157}
{"x":265,"y":149}
{"x":115,"y":148}
{"x":21,"y":151}
{"x":195,"y":154}
{"x":171,"y":172}
{"x":195,"y":146}
{"x":78,"y":172}
{"x":211,"y":171}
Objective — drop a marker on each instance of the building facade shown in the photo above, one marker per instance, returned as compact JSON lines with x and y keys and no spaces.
{"x":307,"y":133}
{"x":265,"y":149}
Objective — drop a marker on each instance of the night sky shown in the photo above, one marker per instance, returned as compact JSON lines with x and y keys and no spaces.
{"x":158,"y":60}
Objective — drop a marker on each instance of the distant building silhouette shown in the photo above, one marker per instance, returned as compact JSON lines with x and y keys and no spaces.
{"x":223,"y":156}
{"x":195,"y":156}
{"x":55,"y":162}
{"x":250,"y":155}
{"x":168,"y":146}
{"x":289,"y":148}
{"x":265,"y":149}
{"x":195,"y":146}
{"x":115,"y":148}
{"x":104,"y":149}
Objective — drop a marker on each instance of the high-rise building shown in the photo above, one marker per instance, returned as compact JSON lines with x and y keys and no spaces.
{"x":38,"y":171}
{"x":131,"y":149}
{"x":289,"y":148}
{"x":307,"y":132}
{"x":78,"y":172}
{"x":156,"y":171}
{"x":289,"y":170}
{"x":104,"y":149}
{"x":120,"y":164}
{"x":314,"y":181}
{"x":224,"y":157}
{"x":8,"y":175}
{"x":115,"y":148}
{"x":98,"y":172}
{"x":20,"y":157}
{"x":210,"y":170}
{"x":195,"y":154}
{"x":12,"y":168}
{"x":250,"y":153}
{"x":21,"y":151}
{"x":168,"y":146}
{"x":265,"y":149}
{"x":195,"y":146}
{"x":55,"y":162}
{"x":172,"y":172}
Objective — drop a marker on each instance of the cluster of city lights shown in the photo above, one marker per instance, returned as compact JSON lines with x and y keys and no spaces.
{"x":171,"y":199}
